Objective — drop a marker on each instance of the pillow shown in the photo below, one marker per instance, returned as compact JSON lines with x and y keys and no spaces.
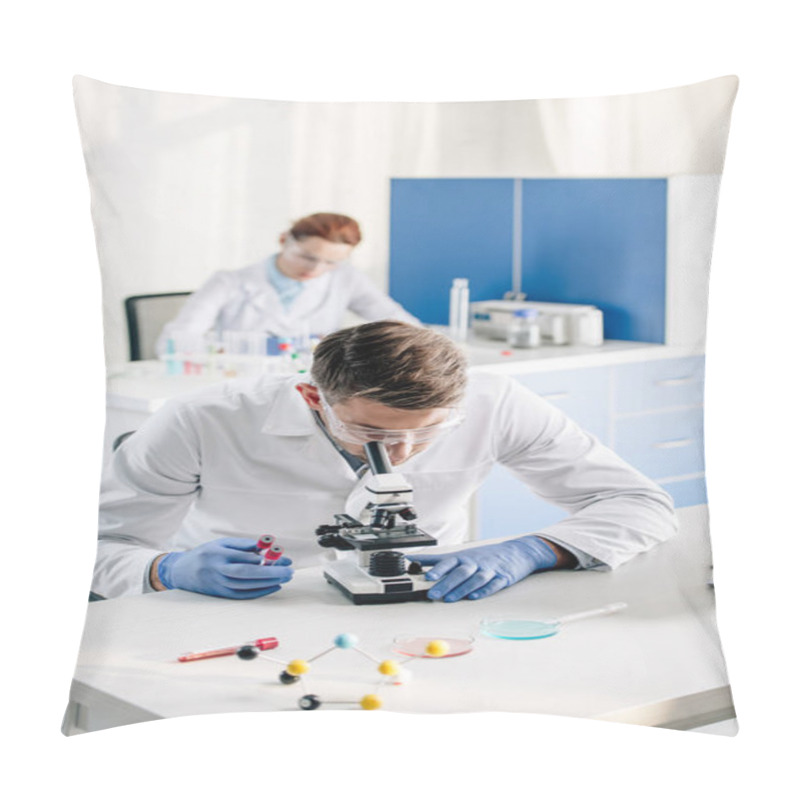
{"x":563,"y":488}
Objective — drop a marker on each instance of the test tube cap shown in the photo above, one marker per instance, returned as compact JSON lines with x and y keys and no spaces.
{"x":274,"y":553}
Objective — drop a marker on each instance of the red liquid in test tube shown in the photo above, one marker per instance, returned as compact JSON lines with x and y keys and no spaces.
{"x":268,"y":643}
{"x":273,"y":554}
{"x":265,"y":544}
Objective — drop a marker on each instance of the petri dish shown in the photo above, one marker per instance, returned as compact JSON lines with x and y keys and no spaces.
{"x":518,"y":628}
{"x":415,"y":646}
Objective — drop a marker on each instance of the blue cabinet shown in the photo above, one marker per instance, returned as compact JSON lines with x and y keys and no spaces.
{"x":650,"y":385}
{"x":449,"y":228}
{"x":657,"y":423}
{"x":600,"y":241}
{"x":664,"y":444}
{"x":649,"y":412}
{"x":582,"y":394}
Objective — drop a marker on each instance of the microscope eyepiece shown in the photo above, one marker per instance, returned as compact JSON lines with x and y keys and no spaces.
{"x":378,"y":458}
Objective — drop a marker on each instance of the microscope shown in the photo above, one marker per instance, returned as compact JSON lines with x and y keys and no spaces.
{"x":379,"y":573}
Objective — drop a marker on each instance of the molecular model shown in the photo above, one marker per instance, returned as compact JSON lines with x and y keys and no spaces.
{"x":392,"y":672}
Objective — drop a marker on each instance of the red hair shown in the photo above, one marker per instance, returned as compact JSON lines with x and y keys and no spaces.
{"x":336,"y":228}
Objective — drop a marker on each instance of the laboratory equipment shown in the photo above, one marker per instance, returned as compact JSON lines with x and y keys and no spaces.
{"x":379,"y":573}
{"x":264,"y":545}
{"x":446,"y":646}
{"x":270,"y":550}
{"x":273,"y":554}
{"x":559,"y":323}
{"x":391,"y":672}
{"x":503,"y":628}
{"x":267,"y":643}
{"x":459,"y":309}
{"x":232,"y":353}
{"x":171,"y":359}
{"x":524,"y":329}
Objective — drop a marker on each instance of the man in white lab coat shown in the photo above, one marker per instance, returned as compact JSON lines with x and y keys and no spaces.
{"x":187,"y":496}
{"x":304,"y":289}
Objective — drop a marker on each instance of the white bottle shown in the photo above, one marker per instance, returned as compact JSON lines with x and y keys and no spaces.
{"x":524,"y":329}
{"x":558,"y":329}
{"x":459,"y":309}
{"x":590,"y":328}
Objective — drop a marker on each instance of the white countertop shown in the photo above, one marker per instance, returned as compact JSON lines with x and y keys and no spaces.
{"x":491,"y":356}
{"x":656,"y":663}
{"x":144,"y":386}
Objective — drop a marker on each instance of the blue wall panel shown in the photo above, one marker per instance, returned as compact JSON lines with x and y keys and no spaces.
{"x":445,"y":228}
{"x":599,"y":241}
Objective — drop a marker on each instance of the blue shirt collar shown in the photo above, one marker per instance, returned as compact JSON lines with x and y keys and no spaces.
{"x":287,"y":288}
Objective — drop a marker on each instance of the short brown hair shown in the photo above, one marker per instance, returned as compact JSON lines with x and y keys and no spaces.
{"x":392,"y":363}
{"x":336,"y":228}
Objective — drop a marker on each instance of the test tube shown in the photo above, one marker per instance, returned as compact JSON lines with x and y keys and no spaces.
{"x":459,"y":309}
{"x":264,"y":544}
{"x":173,"y":368}
{"x":267,"y":546}
{"x":273,"y":554}
{"x":268,"y":643}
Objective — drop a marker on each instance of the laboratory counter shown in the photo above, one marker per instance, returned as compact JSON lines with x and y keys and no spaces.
{"x":656,"y":663}
{"x":143,"y":386}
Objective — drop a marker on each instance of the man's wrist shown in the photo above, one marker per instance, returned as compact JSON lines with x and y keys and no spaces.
{"x":564,"y":559}
{"x":155,"y":581}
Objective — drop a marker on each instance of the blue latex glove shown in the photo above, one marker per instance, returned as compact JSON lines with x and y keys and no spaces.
{"x":481,"y":571}
{"x":229,"y":567}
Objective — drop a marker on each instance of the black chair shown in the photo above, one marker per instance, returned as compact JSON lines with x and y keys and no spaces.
{"x":147,"y":314}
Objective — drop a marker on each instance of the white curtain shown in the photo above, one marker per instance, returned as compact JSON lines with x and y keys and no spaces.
{"x":679,"y":131}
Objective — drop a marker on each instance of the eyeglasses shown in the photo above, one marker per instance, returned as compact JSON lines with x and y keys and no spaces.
{"x":299,"y":253}
{"x":353,"y":433}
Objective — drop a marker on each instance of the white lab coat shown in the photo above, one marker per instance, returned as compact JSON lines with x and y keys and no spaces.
{"x":246,"y":457}
{"x":245,"y":300}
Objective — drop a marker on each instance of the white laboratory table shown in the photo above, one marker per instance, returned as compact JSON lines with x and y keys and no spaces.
{"x":657,"y":663}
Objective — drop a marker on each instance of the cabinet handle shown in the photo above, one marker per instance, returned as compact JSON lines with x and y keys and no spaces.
{"x":555,"y":395}
{"x":676,"y":381}
{"x":673,"y":443}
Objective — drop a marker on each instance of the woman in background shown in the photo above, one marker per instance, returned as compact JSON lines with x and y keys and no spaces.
{"x":304,"y":289}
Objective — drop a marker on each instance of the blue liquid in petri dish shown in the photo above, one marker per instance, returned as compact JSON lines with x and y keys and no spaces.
{"x":518,"y":629}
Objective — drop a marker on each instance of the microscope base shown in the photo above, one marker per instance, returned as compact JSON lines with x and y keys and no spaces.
{"x":361,"y":588}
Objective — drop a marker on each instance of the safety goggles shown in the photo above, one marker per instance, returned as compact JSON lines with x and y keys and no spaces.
{"x":295,"y":250}
{"x":352,"y":433}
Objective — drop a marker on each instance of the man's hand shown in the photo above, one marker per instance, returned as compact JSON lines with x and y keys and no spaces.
{"x":229,"y":567}
{"x":481,"y":571}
